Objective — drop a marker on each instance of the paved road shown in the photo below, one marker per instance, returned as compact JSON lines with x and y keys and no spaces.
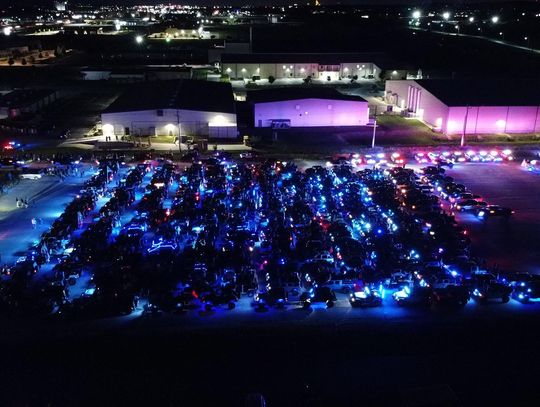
{"x":50,"y":196}
{"x":481,"y":37}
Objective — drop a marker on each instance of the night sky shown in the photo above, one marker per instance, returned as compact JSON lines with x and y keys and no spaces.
{"x":245,"y":2}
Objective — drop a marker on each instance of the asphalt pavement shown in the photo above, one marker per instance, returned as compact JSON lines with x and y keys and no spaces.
{"x":477,"y":355}
{"x":512,"y":245}
{"x":46,"y":198}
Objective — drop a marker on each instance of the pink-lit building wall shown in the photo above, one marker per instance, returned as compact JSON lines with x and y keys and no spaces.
{"x":409,"y":95}
{"x":493,"y":119}
{"x":312,"y":113}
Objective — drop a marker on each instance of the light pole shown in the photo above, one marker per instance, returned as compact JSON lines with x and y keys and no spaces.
{"x":179,"y":134}
{"x":462,"y":143}
{"x":374,"y":133}
{"x":374,"y":129}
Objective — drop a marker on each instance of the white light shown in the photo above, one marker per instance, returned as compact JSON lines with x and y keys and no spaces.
{"x":243,"y":69}
{"x":229,"y":70}
{"x":446,"y":15}
{"x":108,"y":130}
{"x":500,"y":124}
{"x":416,"y":14}
{"x":170,"y":127}
{"x":471,"y":19}
{"x":139,"y":39}
{"x":219,"y":120}
{"x":495,"y":19}
{"x":7,"y":30}
{"x":346,"y":69}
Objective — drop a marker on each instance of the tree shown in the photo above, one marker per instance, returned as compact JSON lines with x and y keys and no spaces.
{"x":11,"y":61}
{"x":23,"y":61}
{"x":32,"y":59}
{"x":307,"y":80}
{"x":40,"y":55}
{"x":271,"y":79}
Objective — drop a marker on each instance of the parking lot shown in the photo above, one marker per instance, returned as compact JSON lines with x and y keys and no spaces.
{"x":513,"y":244}
{"x":46,"y":197}
{"x":159,"y":246}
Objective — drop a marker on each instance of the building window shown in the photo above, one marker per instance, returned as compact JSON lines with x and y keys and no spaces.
{"x":160,"y":113}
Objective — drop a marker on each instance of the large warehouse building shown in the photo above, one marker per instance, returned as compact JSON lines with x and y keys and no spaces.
{"x":185,"y":107}
{"x":470,"y":106}
{"x":307,"y":107}
{"x":318,"y":66}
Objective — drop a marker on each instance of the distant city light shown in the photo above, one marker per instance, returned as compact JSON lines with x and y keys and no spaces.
{"x":7,"y":30}
{"x":139,"y":39}
{"x":471,"y":19}
{"x":446,"y":15}
{"x":495,"y":19}
{"x":417,"y":14}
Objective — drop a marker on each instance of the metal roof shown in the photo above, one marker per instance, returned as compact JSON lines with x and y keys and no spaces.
{"x":380,"y":59}
{"x":179,"y":94}
{"x":298,"y":93}
{"x":484,"y":92}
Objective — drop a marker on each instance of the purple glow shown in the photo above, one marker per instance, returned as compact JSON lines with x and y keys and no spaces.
{"x":312,"y":113}
{"x":493,"y":119}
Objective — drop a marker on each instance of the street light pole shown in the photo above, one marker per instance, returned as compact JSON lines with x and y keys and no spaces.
{"x":464,"y":127}
{"x":374,"y":133}
{"x":179,"y":134}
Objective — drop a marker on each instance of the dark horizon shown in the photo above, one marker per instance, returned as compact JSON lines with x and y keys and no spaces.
{"x":239,"y":3}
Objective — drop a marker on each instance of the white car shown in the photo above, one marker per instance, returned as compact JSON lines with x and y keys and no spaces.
{"x":324,"y":256}
{"x":30,"y":175}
